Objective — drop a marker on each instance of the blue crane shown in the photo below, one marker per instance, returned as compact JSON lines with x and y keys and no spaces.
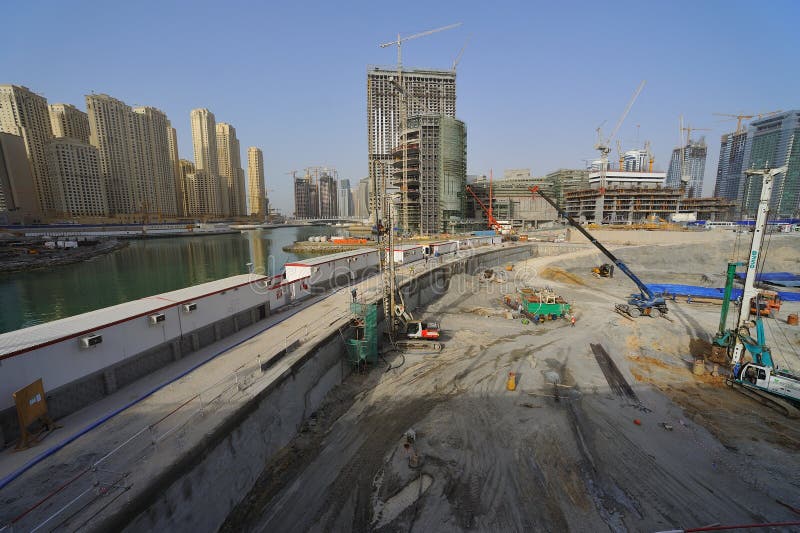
{"x":645,"y":302}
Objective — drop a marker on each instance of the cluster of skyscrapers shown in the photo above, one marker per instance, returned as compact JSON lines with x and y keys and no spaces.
{"x":119,"y":161}
{"x":772,"y":141}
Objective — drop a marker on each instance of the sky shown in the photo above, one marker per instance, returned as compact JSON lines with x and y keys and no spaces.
{"x":535,"y":80}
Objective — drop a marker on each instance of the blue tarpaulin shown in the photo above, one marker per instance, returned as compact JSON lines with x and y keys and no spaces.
{"x":709,"y":292}
{"x":772,"y":276}
{"x":780,"y":279}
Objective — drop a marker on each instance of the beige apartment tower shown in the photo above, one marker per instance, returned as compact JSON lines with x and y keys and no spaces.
{"x":74,"y":172}
{"x":231,"y":174}
{"x":112,"y":132}
{"x":206,"y":178}
{"x":172,"y":138}
{"x":69,"y":121}
{"x":18,"y":201}
{"x":25,"y":113}
{"x":157,"y":170}
{"x":256,"y":187}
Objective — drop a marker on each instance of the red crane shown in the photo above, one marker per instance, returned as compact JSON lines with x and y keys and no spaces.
{"x":490,"y":219}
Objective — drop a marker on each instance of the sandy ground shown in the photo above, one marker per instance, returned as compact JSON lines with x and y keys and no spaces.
{"x":660,"y":449}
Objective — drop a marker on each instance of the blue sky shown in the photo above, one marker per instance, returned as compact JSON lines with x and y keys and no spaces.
{"x":535,"y":81}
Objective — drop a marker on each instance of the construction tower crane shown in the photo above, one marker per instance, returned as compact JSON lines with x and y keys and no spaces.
{"x":461,"y":53}
{"x":739,"y":118}
{"x":603,"y":145}
{"x":400,"y":40}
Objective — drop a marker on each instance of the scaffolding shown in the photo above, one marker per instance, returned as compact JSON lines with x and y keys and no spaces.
{"x":429,"y":170}
{"x":363,"y":347}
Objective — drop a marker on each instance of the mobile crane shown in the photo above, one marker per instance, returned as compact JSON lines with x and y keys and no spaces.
{"x":645,"y":302}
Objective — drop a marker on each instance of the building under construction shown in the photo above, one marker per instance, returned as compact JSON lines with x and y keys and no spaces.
{"x":429,"y":91}
{"x":511,"y":201}
{"x":429,"y":169}
{"x":638,"y":202}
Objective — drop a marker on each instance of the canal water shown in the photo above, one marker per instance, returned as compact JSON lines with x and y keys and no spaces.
{"x":144,"y":268}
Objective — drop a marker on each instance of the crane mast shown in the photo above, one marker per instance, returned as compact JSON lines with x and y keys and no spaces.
{"x":750,"y":291}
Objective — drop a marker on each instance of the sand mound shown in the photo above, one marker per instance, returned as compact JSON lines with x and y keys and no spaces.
{"x":557,"y":274}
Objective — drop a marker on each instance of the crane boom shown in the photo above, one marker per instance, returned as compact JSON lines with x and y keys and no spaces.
{"x":489,"y":217}
{"x":420,"y":34}
{"x":646,"y":292}
{"x":627,"y":110}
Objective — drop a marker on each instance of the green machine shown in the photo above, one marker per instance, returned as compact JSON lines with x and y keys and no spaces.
{"x":363,"y":347}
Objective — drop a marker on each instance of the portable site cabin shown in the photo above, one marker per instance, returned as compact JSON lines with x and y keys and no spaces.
{"x":436,"y":249}
{"x":408,"y":253}
{"x":326,"y":269}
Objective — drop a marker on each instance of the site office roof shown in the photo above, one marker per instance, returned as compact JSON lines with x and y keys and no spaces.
{"x":26,"y":339}
{"x":316,"y":261}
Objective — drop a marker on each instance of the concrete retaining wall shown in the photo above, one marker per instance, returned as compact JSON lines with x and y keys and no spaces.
{"x":201,"y":489}
{"x":198,"y":492}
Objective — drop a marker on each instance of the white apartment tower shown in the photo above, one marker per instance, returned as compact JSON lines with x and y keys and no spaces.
{"x":74,"y":174}
{"x":204,"y":142}
{"x":231,"y":174}
{"x":430,"y":91}
{"x":255,"y":178}
{"x":157,"y":168}
{"x":25,"y":113}
{"x":69,"y":121}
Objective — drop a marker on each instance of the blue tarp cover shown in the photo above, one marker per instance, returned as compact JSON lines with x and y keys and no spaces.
{"x":709,"y":292}
{"x":772,"y":276}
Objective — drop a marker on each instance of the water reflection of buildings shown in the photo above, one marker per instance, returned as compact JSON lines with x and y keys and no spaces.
{"x":258,"y":251}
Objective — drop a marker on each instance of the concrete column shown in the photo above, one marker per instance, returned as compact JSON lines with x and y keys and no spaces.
{"x":195,"y":342}
{"x":254,"y":315}
{"x":235,"y":323}
{"x":110,"y":381}
{"x":217,"y":333}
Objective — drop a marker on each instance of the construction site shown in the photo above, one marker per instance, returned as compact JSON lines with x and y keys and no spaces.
{"x":575,"y":378}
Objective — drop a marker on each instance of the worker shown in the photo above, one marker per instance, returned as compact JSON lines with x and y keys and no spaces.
{"x":572,"y":321}
{"x":353,"y":293}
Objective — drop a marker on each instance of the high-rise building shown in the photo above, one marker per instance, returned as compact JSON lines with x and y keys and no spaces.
{"x":69,"y":121}
{"x":343,"y":199}
{"x":305,"y":198}
{"x":156,"y":164}
{"x":18,"y":201}
{"x":204,"y":141}
{"x":430,"y":170}
{"x":255,"y":177}
{"x":730,"y":168}
{"x":328,"y":199}
{"x":430,"y":91}
{"x":688,"y":175}
{"x":74,"y":174}
{"x":772,"y":142}
{"x":189,"y":199}
{"x":172,"y":139}
{"x":636,"y":161}
{"x":112,"y":132}
{"x":361,"y":199}
{"x":231,"y":174}
{"x":25,"y":113}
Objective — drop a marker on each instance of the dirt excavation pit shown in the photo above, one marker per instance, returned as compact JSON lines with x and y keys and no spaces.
{"x":606,"y":428}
